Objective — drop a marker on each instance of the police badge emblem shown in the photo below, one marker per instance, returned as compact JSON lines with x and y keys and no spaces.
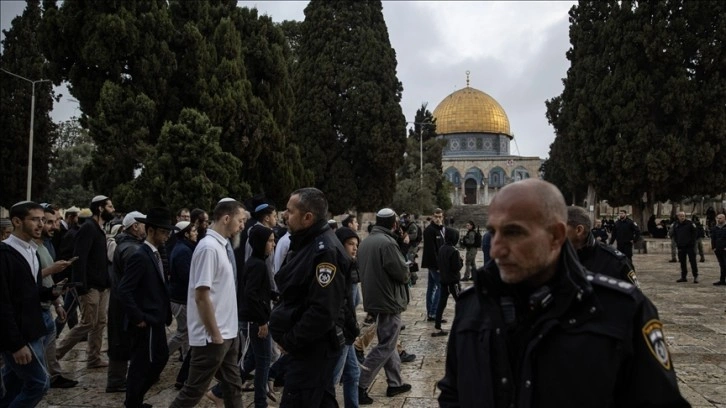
{"x":654,"y":338}
{"x":325,"y":272}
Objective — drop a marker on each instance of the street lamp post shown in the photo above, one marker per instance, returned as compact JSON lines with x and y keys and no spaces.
{"x":32,"y":123}
{"x":420,"y":146}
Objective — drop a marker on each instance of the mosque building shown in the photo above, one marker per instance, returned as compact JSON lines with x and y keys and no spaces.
{"x":477,"y":159}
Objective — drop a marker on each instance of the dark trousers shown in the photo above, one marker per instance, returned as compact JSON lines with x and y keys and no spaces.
{"x":446,"y":289}
{"x":690,"y":252}
{"x":149,"y":355}
{"x":309,"y":382}
{"x":627,"y":249}
{"x":212,"y":360}
{"x":721,"y":256}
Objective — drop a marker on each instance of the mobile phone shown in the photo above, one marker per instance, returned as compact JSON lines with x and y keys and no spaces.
{"x":74,"y":259}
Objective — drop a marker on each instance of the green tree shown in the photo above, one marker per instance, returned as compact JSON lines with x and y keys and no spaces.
{"x":641,"y":117}
{"x":21,"y":55}
{"x":348,"y":115}
{"x":190,"y":169}
{"x":72,"y":152}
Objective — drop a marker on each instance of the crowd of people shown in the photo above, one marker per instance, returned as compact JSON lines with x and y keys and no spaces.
{"x":276,"y":293}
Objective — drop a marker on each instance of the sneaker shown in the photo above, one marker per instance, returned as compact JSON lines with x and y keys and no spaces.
{"x":682,"y":280}
{"x":406,"y":357}
{"x":702,"y":260}
{"x":63,"y":382}
{"x":360,"y":356}
{"x":363,"y":398}
{"x":719,"y":283}
{"x":393,"y":391}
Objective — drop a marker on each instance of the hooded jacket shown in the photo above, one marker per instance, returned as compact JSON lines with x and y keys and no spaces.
{"x":254,"y":289}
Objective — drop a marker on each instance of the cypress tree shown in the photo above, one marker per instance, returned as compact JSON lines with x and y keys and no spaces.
{"x":348,"y":116}
{"x":22,"y":56}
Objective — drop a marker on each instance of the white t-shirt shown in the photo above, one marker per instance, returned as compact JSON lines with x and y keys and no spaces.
{"x":283,"y":246}
{"x":211,"y":268}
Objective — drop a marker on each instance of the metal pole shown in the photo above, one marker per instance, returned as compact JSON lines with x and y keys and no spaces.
{"x":32,"y":125}
{"x":30,"y":148}
{"x":420,"y":144}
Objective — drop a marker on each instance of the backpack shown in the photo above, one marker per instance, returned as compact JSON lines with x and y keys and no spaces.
{"x":477,"y":239}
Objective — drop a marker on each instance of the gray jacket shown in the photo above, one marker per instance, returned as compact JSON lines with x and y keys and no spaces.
{"x":383,"y":272}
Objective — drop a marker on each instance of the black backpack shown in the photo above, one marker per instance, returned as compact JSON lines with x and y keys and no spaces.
{"x":477,"y":239}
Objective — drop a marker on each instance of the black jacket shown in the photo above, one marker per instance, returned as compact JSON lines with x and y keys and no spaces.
{"x":254,"y":289}
{"x":91,"y":268}
{"x":597,"y":342}
{"x":142,"y":290}
{"x":625,"y":232}
{"x":118,"y":338}
{"x":312,"y":291}
{"x":685,"y":234}
{"x":21,"y":317}
{"x":598,"y":257}
{"x":450,"y":264}
{"x":718,"y":238}
{"x":180,"y":262}
{"x":433,"y":239}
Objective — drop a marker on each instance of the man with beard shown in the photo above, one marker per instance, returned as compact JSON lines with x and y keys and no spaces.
{"x":127,"y":242}
{"x":200,"y":219}
{"x":21,"y":316}
{"x":305,"y":323}
{"x":625,"y":232}
{"x":142,"y":292}
{"x":91,"y":270}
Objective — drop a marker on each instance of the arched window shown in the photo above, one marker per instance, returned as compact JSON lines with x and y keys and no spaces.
{"x":496,"y":177}
{"x":520,"y":173}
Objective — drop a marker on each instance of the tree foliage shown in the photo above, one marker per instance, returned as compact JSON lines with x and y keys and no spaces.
{"x":434,"y":188}
{"x":347,"y":114}
{"x":72,"y":152}
{"x":642,"y":115}
{"x":22,"y":56}
{"x":136,"y":65}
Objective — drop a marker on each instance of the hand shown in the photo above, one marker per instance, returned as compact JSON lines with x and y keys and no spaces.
{"x":23,"y":356}
{"x":262,"y":331}
{"x":62,"y":315}
{"x":406,"y":240}
{"x":141,"y":325}
{"x":217,"y":339}
{"x":57,"y":266}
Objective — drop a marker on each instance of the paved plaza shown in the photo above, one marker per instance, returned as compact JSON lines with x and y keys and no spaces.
{"x":695,"y":325}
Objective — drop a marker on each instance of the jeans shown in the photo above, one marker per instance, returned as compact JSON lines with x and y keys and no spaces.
{"x":433,"y":292}
{"x":355,"y":297}
{"x":347,"y":368}
{"x":259,"y":360}
{"x":51,"y":360}
{"x":25,"y":385}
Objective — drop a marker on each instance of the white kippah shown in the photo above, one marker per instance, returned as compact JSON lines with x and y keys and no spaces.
{"x":21,"y":203}
{"x":182,"y":224}
{"x":386,"y":213}
{"x":225,"y":199}
{"x":99,"y":198}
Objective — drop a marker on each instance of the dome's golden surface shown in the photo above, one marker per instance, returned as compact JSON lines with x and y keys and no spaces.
{"x":470,"y":110}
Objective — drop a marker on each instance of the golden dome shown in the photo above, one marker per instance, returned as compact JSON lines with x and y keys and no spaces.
{"x":470,"y":110}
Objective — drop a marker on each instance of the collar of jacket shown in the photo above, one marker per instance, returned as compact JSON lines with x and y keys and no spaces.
{"x":382,"y":230}
{"x":304,"y":237}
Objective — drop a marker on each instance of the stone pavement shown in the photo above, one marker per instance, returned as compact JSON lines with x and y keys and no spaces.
{"x":695,"y":327}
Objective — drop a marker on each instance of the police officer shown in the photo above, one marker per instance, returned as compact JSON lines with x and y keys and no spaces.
{"x":535,"y":321}
{"x":600,"y":232}
{"x":595,"y":255}
{"x":626,"y":232}
{"x":306,"y":322}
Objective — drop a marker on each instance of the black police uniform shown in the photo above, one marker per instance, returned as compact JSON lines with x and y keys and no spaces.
{"x":625,"y":231}
{"x":598,"y":257}
{"x":305,"y":323}
{"x":601,"y":234}
{"x":582,"y":340}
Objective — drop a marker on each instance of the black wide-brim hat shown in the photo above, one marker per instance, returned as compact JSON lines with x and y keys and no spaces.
{"x":158,"y":218}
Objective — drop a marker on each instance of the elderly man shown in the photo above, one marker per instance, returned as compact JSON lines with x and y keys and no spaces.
{"x":539,"y":330}
{"x":384,"y":278}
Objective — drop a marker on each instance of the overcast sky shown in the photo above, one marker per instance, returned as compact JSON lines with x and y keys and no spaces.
{"x":515,"y":51}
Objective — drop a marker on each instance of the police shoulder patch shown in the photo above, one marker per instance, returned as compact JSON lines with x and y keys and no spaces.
{"x":633,"y":278}
{"x":654,"y":338}
{"x":325,"y":273}
{"x":610,"y":282}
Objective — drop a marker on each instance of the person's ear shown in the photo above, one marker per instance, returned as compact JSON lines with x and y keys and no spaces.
{"x":559,"y":234}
